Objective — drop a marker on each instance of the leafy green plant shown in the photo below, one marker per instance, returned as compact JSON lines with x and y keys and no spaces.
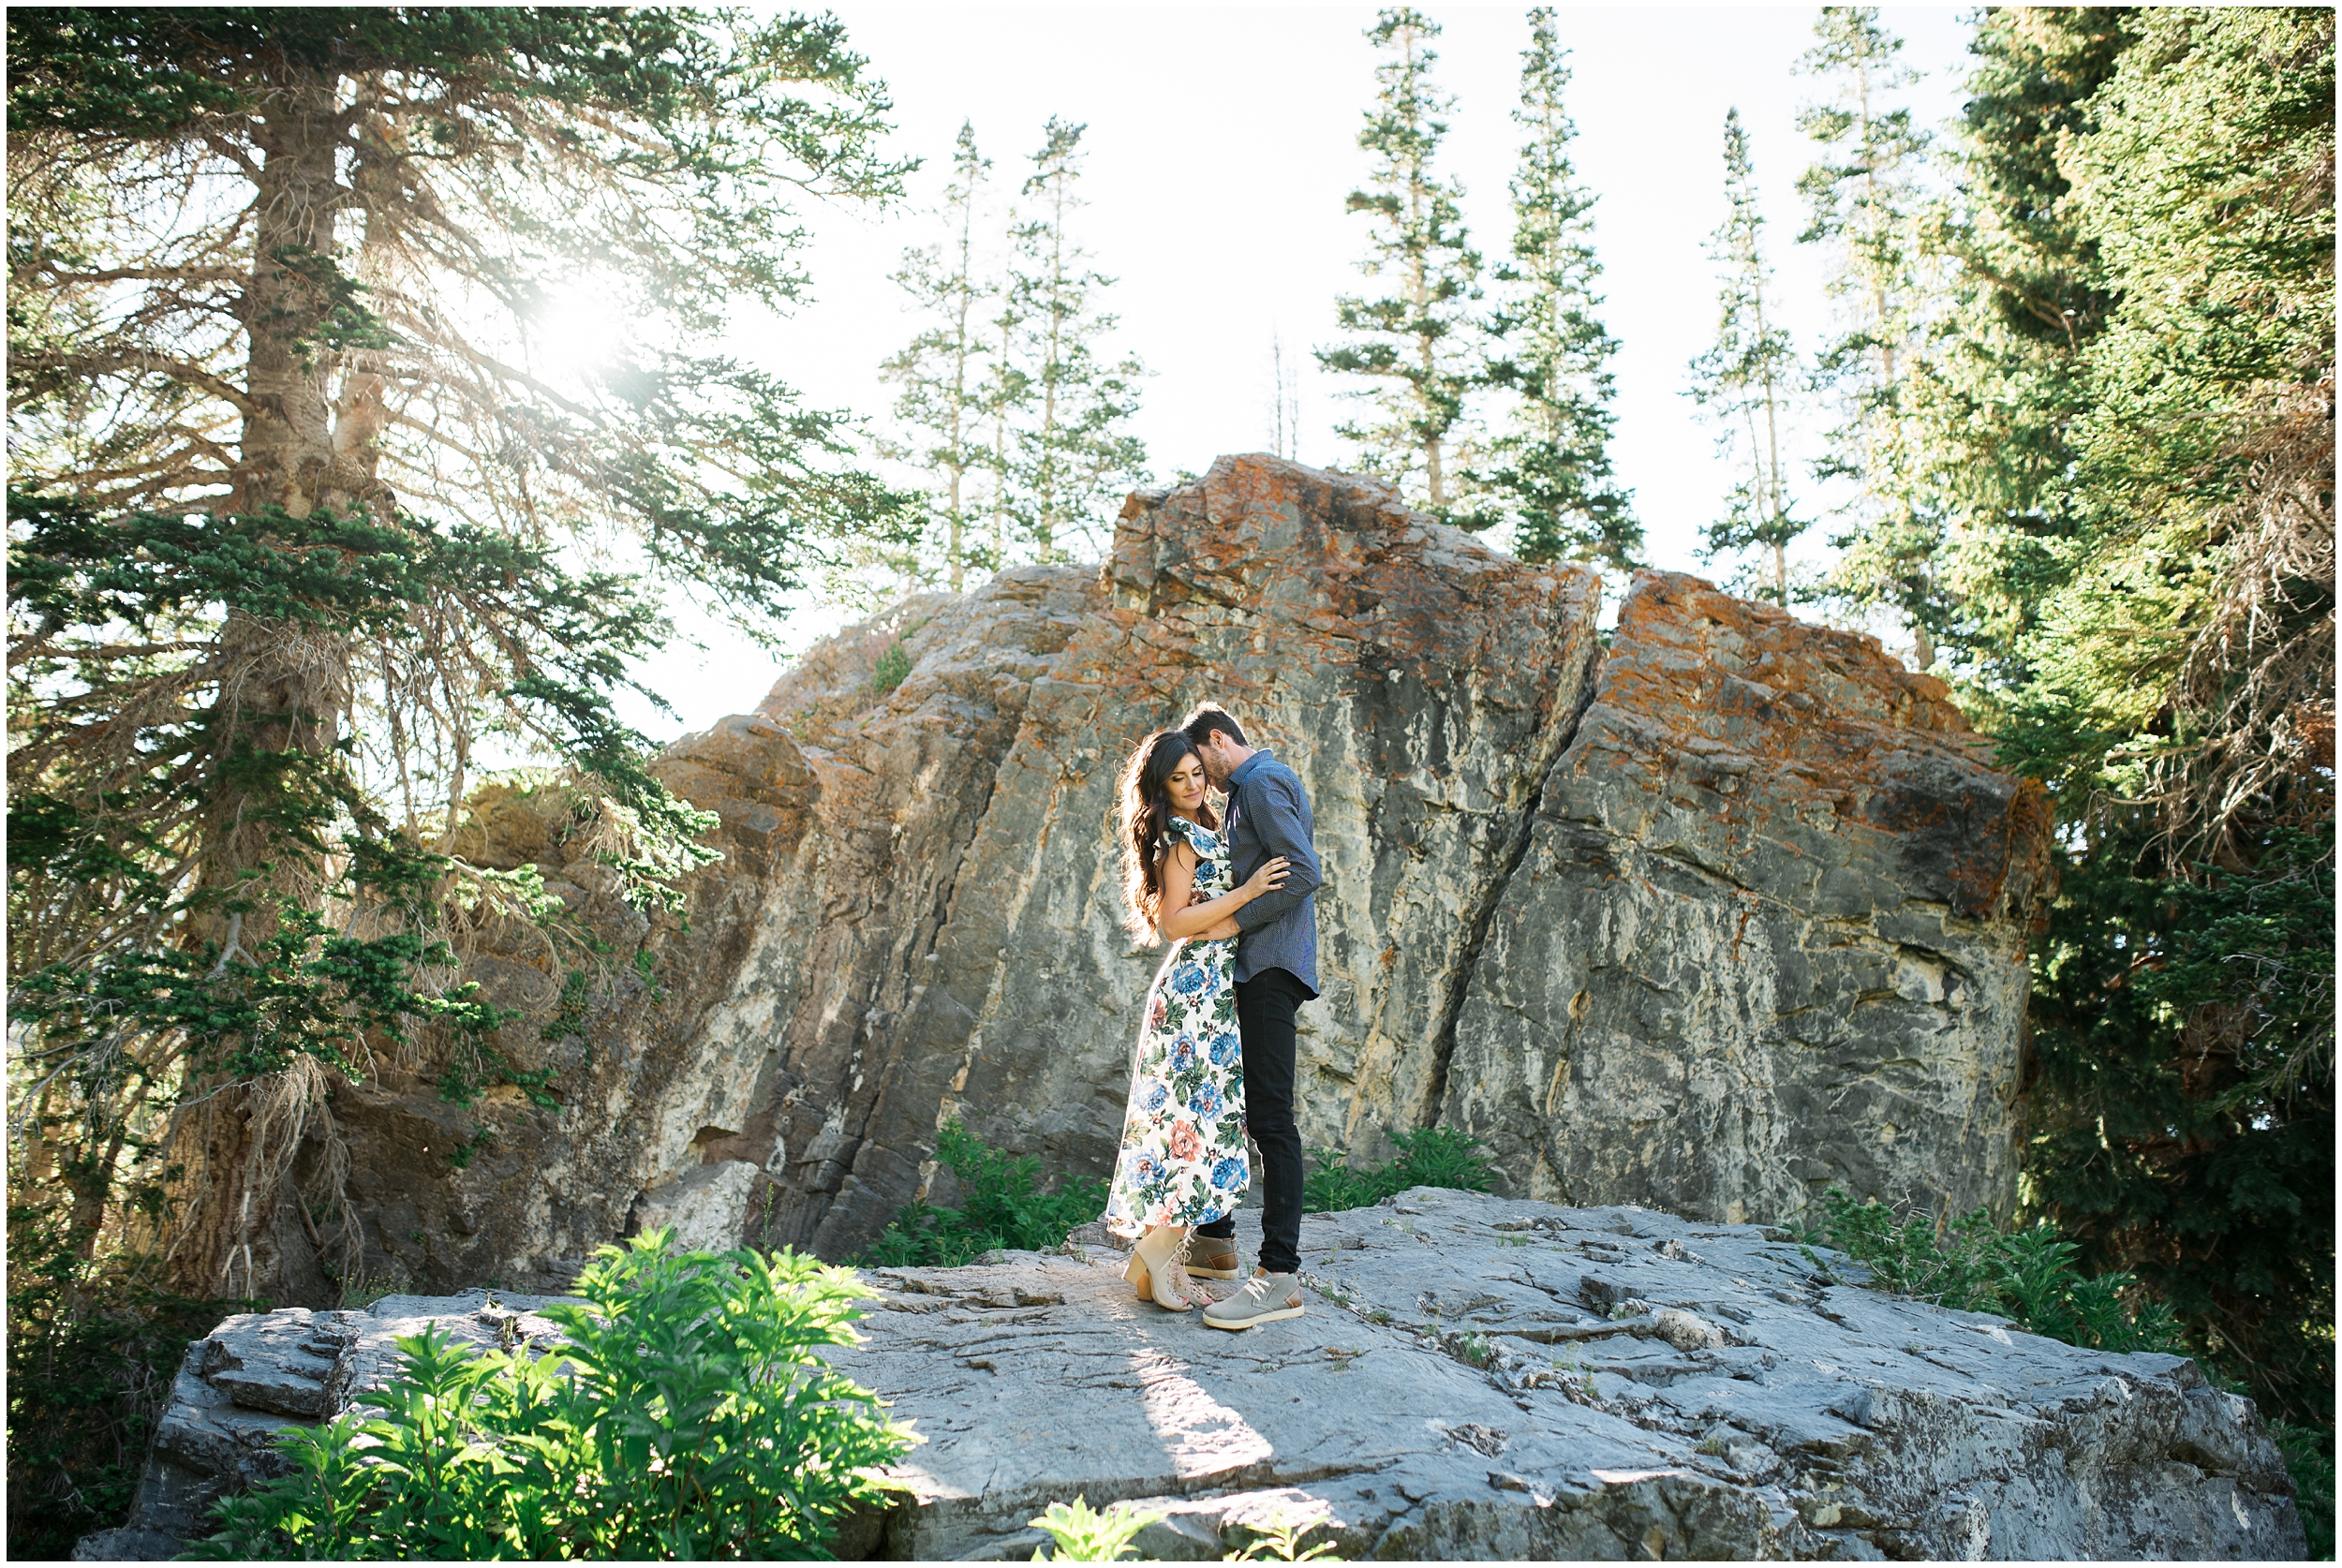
{"x":2309,"y":1457}
{"x":1004,"y":1207}
{"x":690,"y":1415}
{"x":93,"y":1348}
{"x":2028,"y":1276}
{"x":1279,"y":1540}
{"x":1428,"y":1156}
{"x":893,"y":667}
{"x":1086,"y":1535}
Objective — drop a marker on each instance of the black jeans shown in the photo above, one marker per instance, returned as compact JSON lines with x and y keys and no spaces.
{"x":1265,"y":1009}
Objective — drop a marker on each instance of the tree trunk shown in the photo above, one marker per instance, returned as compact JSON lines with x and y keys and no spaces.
{"x":284,"y":688}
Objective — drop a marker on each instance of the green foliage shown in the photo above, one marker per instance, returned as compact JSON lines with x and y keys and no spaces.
{"x":1005,"y":1209}
{"x":92,"y":1353}
{"x":2309,"y":1459}
{"x":892,"y":669}
{"x":1415,"y":341}
{"x":1282,"y":1541}
{"x":655,"y":157}
{"x":1083,"y":1535}
{"x":1861,"y":193}
{"x":1075,"y":454}
{"x":1992,"y":394}
{"x":2027,"y":1275}
{"x":941,"y":373}
{"x":2126,"y":410}
{"x":1428,"y":1156}
{"x":1745,"y":380}
{"x":293,"y":540}
{"x":691,"y":1415}
{"x":2182,"y":1122}
{"x":1552,"y":471}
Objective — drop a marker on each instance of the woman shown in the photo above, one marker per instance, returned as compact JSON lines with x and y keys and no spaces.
{"x":1182,"y":1162}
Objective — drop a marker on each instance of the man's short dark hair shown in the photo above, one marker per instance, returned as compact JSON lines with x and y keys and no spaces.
{"x":1203,"y":720}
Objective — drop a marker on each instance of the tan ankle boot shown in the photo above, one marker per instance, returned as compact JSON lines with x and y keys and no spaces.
{"x":1213,"y":1257}
{"x":1157,"y":1269}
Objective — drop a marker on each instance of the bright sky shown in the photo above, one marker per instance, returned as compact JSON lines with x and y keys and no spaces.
{"x":1221,"y":142}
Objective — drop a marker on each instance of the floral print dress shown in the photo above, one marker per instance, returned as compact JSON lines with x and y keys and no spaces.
{"x":1182,"y":1159}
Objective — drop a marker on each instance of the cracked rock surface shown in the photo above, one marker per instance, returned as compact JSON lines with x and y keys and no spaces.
{"x":1768,"y":934}
{"x":1474,"y":1377}
{"x":1480,"y":1377}
{"x":1707,"y":919}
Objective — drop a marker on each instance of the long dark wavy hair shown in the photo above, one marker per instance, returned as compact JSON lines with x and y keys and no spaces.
{"x":1146,"y":818}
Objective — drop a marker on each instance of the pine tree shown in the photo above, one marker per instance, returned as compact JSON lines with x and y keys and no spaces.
{"x":1003,"y":400}
{"x":1745,"y":380}
{"x":942,"y":370}
{"x":1074,"y":455}
{"x":2127,"y":411}
{"x":1418,"y":339}
{"x":292,"y":527}
{"x":2001,"y":371}
{"x":1861,"y":195}
{"x":1552,"y":472}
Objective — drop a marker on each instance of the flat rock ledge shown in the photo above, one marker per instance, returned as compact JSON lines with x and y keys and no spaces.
{"x":1475,"y":1377}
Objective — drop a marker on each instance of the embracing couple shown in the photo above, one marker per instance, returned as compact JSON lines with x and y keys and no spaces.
{"x":1215,"y":1057}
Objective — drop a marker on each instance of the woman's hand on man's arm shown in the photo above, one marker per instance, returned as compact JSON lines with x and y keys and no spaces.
{"x":1206,"y":920}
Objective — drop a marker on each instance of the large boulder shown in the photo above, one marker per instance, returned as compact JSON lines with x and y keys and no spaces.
{"x":1473,"y":1378}
{"x":1709,"y":919}
{"x":1768,"y":934}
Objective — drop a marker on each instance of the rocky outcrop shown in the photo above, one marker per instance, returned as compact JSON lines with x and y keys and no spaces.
{"x":259,"y":1373}
{"x":1727,"y":912}
{"x":1768,"y":934}
{"x":1474,"y":1378}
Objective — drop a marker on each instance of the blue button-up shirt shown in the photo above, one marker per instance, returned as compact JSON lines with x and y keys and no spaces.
{"x":1268,"y":815}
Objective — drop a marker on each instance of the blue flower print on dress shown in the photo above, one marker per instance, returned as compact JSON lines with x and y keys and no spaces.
{"x":1182,"y":1155}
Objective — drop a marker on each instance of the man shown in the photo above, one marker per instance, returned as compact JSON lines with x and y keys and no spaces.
{"x":1276,"y":972}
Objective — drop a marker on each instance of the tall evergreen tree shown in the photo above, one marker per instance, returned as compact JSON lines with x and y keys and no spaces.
{"x":2127,"y":408}
{"x":1745,"y":380}
{"x":1003,"y":399}
{"x":1552,"y":474}
{"x":942,"y":370}
{"x":1075,"y":455}
{"x":1862,"y":195}
{"x":2001,"y":372}
{"x":1419,"y":340}
{"x":290,"y":540}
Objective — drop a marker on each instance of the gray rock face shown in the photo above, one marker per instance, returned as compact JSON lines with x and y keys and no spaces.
{"x":1727,"y":912}
{"x":1479,"y":1377}
{"x":259,"y":1372}
{"x":1768,"y":933}
{"x":1474,"y":1377}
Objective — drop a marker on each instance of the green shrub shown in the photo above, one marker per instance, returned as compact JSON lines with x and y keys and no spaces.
{"x":1282,"y":1539}
{"x":1003,"y":1208}
{"x":892,"y":666}
{"x":93,"y":1350}
{"x":2027,"y":1275}
{"x":2309,"y":1456}
{"x":691,"y":1415}
{"x":1083,"y":1535}
{"x":1428,"y":1156}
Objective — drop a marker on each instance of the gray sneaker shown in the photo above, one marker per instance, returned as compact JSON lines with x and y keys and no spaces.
{"x":1265,"y":1298}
